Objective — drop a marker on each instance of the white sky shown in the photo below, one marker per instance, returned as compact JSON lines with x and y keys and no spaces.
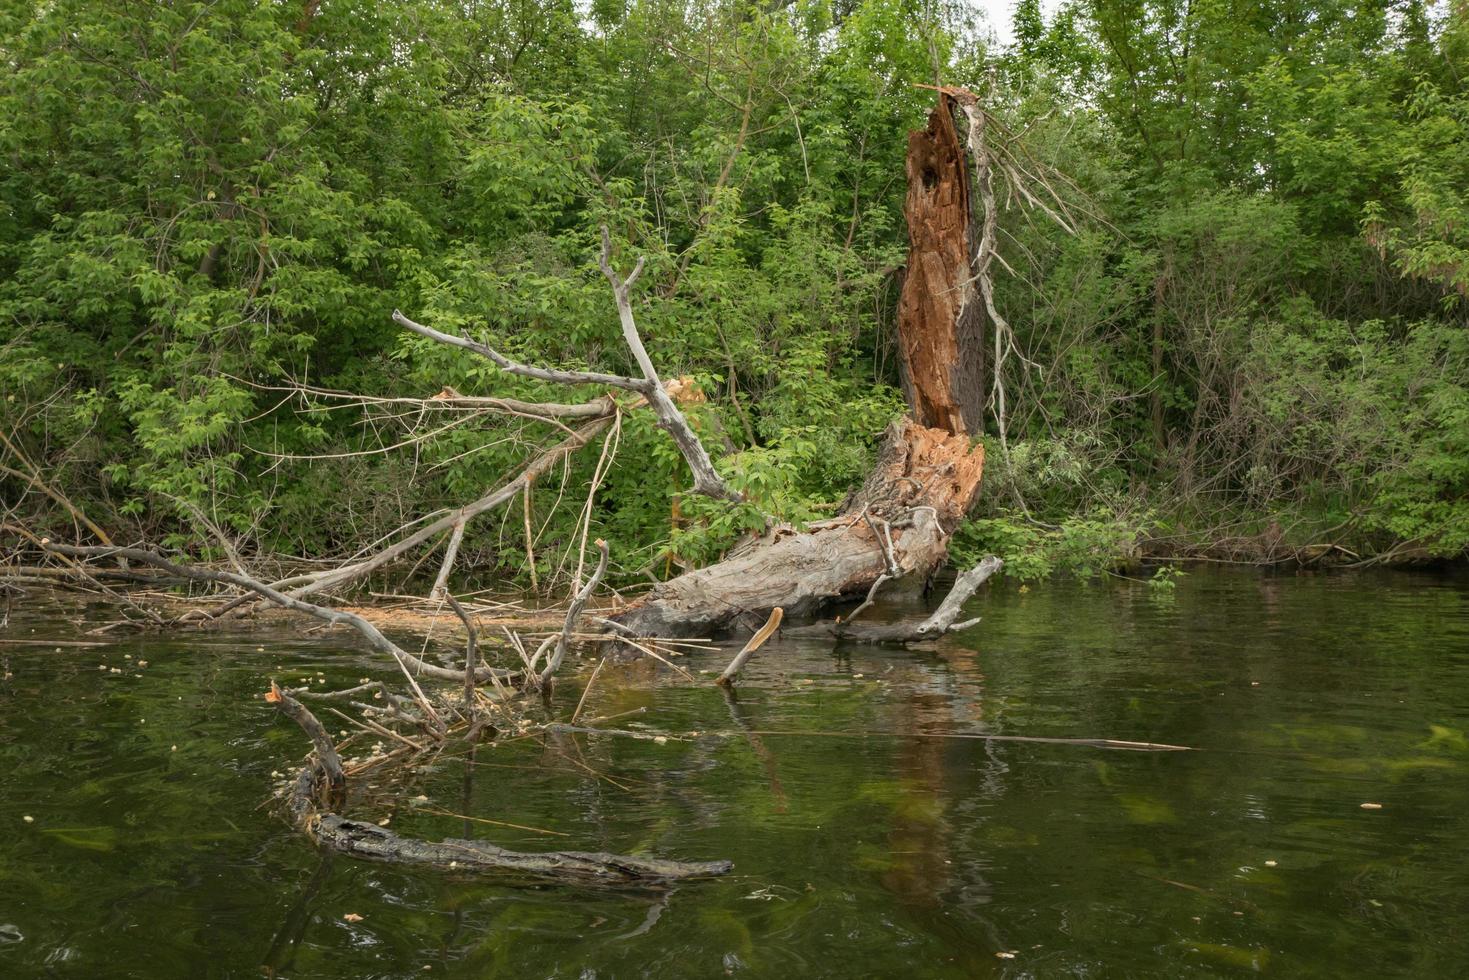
{"x":997,"y":14}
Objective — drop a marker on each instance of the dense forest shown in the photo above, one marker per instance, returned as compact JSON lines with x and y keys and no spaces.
{"x":1235,"y":303}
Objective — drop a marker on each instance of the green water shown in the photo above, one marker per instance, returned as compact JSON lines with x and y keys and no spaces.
{"x":150,"y":853}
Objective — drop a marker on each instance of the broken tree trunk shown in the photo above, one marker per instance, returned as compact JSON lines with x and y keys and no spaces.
{"x":922,"y":486}
{"x":927,"y":475}
{"x":940,"y":316}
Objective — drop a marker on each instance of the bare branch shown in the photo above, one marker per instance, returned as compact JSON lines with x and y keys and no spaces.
{"x":942,"y":620}
{"x":451,"y":552}
{"x":338,"y":576}
{"x":471,"y":651}
{"x":751,"y":645}
{"x":334,"y":616}
{"x":564,"y":641}
{"x":450,"y":400}
{"x":706,"y":479}
{"x":524,"y":370}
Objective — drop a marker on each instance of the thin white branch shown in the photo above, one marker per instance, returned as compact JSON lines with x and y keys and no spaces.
{"x":706,"y":479}
{"x":639,"y":385}
{"x":563,"y":642}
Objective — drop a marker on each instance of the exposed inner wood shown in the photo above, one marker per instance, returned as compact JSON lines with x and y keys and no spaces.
{"x":940,"y":318}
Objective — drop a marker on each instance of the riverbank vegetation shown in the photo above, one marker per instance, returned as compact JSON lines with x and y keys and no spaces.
{"x":1247,"y":336}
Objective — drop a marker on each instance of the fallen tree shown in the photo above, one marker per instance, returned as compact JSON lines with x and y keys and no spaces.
{"x":923,"y":484}
{"x":897,"y":525}
{"x":928,"y":471}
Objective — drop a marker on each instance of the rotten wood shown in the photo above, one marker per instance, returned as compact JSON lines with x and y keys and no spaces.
{"x":940,"y":318}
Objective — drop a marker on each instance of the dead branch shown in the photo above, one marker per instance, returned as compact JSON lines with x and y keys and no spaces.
{"x":451,"y":552}
{"x":751,"y":645}
{"x":34,"y":479}
{"x":891,"y":571}
{"x":706,"y":479}
{"x":316,"y":581}
{"x":563,"y":642}
{"x":942,"y":620}
{"x":321,"y":785}
{"x":471,"y":652}
{"x":448,"y":399}
{"x":372,"y":634}
{"x":504,"y":363}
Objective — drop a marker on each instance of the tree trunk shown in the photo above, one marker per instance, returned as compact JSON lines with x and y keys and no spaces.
{"x":927,"y":474}
{"x":940,"y":316}
{"x":922,"y":486}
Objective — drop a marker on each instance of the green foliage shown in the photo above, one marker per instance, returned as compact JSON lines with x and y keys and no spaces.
{"x":1259,"y":317}
{"x":1084,"y":545}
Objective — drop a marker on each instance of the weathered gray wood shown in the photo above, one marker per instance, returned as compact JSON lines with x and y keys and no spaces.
{"x":923,"y":484}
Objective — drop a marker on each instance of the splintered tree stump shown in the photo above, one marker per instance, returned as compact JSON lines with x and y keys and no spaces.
{"x":923,"y":484}
{"x":940,"y":313}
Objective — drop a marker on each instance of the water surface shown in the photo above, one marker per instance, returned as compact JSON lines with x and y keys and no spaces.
{"x":863,"y":845}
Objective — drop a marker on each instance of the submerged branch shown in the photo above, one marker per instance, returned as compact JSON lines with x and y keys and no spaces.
{"x":942,"y":620}
{"x":321,"y":784}
{"x":563,"y":642}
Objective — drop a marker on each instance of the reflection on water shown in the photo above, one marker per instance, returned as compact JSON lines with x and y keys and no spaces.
{"x":863,"y":845}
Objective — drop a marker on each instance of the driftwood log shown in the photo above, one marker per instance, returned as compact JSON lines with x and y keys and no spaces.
{"x":321,"y":786}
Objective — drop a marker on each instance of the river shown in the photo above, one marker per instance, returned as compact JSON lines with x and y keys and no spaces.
{"x":136,"y":839}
